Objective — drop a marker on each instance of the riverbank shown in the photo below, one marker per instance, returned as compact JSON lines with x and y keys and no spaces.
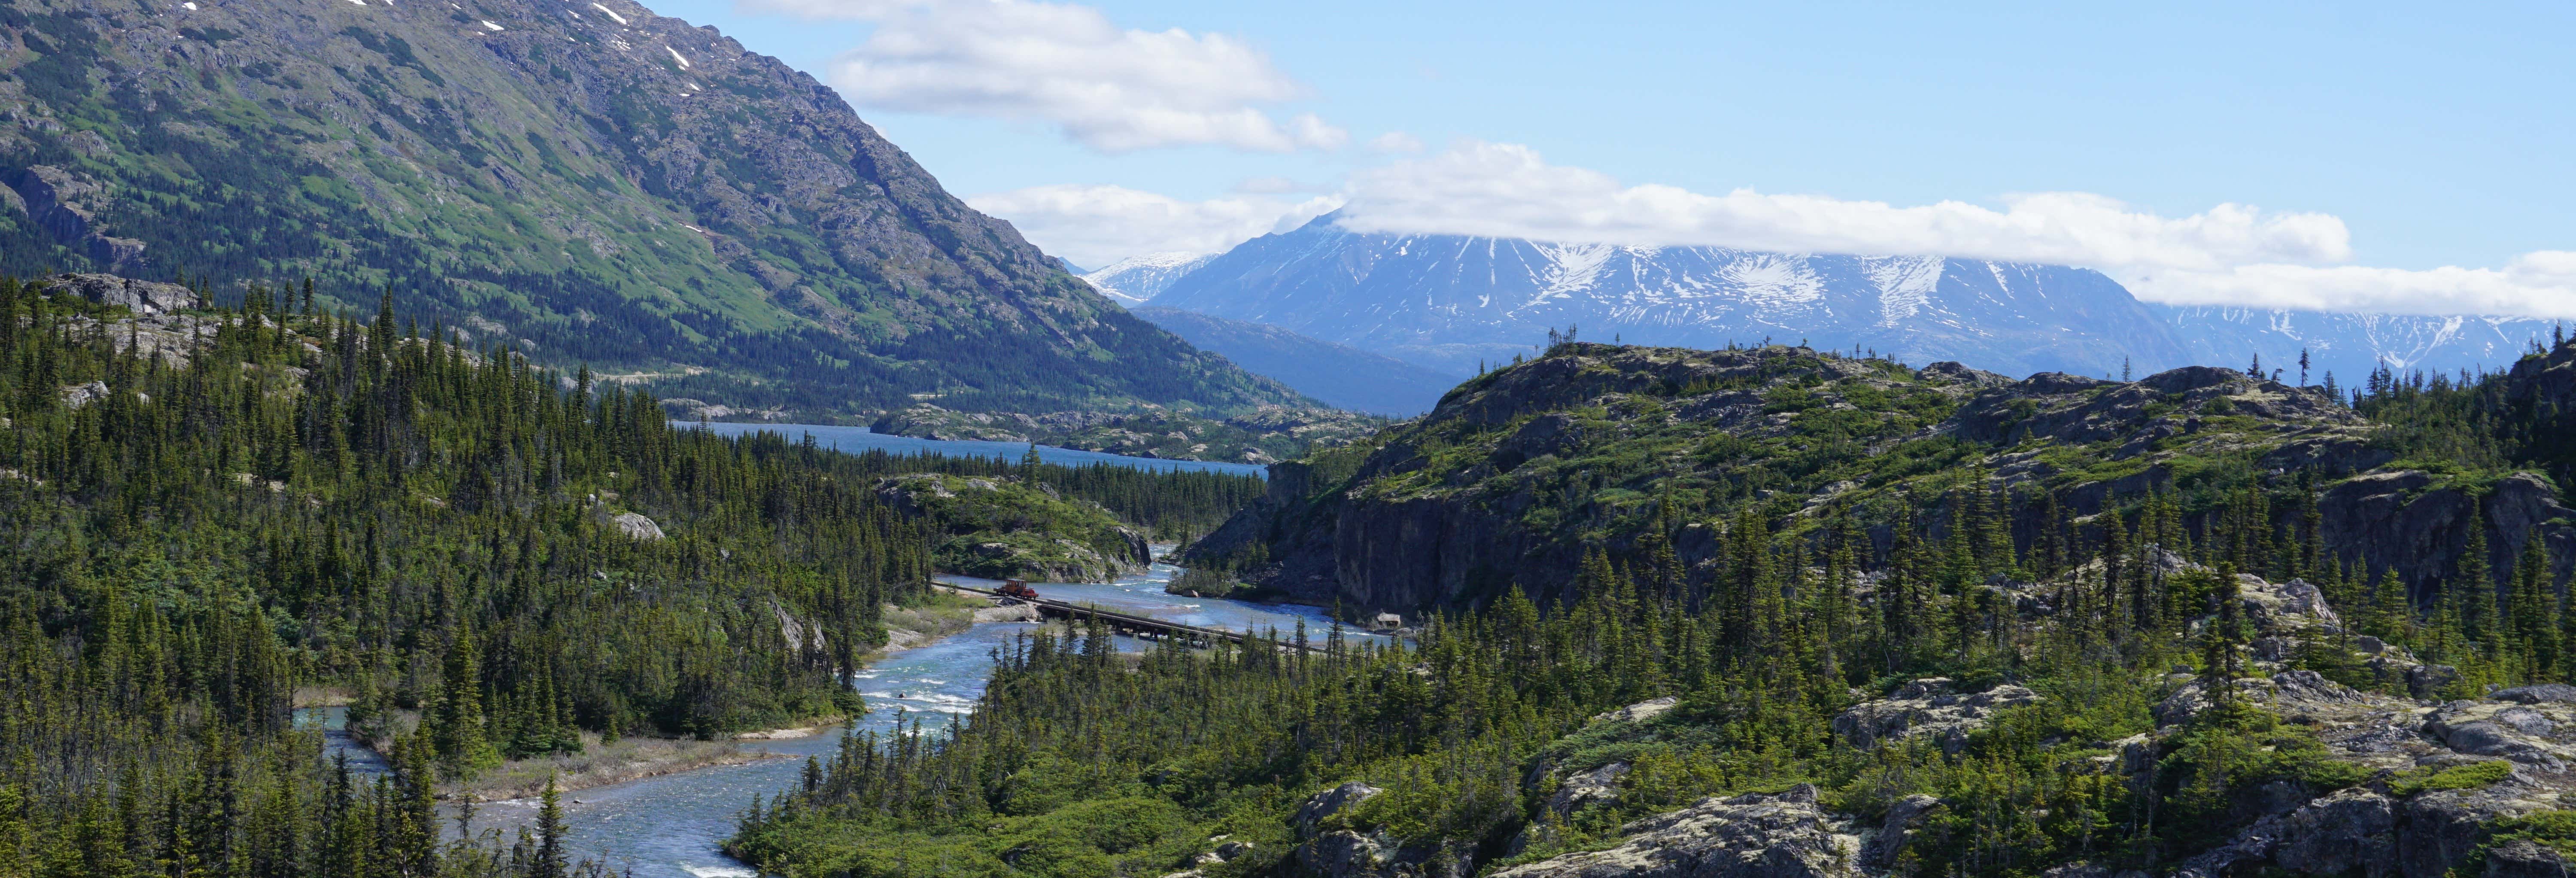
{"x":599,"y":765}
{"x":942,"y":615}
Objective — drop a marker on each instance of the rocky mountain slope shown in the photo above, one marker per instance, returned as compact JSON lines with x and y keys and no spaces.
{"x":2381,"y":784}
{"x":589,"y":182}
{"x":1519,"y":472}
{"x":1337,"y":374}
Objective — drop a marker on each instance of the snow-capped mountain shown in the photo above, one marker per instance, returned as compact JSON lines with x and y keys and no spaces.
{"x":1449,"y":302}
{"x":2351,"y":345}
{"x":1135,"y":279}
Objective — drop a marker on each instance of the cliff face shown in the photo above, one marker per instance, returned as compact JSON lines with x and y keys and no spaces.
{"x":589,"y":181}
{"x":1519,"y":472}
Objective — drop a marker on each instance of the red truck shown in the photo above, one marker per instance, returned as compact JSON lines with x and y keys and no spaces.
{"x":1017,"y":588}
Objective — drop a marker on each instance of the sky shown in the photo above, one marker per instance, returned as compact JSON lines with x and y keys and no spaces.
{"x":2350,"y":156}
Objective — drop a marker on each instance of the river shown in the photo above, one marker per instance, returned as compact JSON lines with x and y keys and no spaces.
{"x":669,"y":826}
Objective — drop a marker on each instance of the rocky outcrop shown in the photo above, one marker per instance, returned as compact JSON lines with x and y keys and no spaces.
{"x":2076,"y":410}
{"x":1748,"y":836}
{"x":1881,"y":851}
{"x":2293,"y":693}
{"x":77,"y":395}
{"x":635,"y":525}
{"x":66,"y":204}
{"x":2523,"y":858}
{"x":2540,"y":734}
{"x":139,"y":296}
{"x":1325,"y":804}
{"x":1340,"y":852}
{"x":1599,"y":786}
{"x":2414,"y":525}
{"x":1928,"y":708}
{"x":1638,"y":712}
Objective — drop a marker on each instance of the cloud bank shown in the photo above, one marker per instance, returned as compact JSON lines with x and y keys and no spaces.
{"x":2230,"y":254}
{"x":1112,"y":89}
{"x":1098,"y":225}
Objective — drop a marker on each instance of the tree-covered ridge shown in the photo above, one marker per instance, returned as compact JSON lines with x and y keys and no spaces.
{"x":1493,"y":744}
{"x":1521,"y":471}
{"x":2201,"y":623}
{"x":614,"y":188}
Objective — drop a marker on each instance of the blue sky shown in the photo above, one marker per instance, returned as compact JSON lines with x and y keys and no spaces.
{"x":2380,"y":143}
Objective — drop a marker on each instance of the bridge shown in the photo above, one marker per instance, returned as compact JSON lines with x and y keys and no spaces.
{"x":1130,"y":624}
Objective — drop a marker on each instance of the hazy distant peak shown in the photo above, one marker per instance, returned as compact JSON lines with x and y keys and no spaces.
{"x":1135,"y":279}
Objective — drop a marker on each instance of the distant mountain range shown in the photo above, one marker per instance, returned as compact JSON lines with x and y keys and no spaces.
{"x":1135,"y":279}
{"x":1338,"y":374}
{"x":1451,"y":303}
{"x":2351,"y":345}
{"x":587,"y":182}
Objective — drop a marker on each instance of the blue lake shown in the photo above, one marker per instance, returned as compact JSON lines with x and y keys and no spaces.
{"x":858,"y":440}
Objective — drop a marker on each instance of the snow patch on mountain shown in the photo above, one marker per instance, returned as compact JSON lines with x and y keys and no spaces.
{"x":1138,"y":279}
{"x":1771,"y":280}
{"x":1905,"y":284}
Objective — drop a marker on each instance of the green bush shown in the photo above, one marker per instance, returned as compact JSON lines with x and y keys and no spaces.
{"x":2457,"y":777}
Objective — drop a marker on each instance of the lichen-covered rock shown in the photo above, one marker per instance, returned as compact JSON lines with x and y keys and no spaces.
{"x":1638,"y":712}
{"x":1749,"y":836}
{"x":2338,"y":833}
{"x":77,"y":395}
{"x":2542,"y":693}
{"x":1927,"y":707}
{"x":1330,"y":802}
{"x":2294,"y":693}
{"x":1599,"y":786}
{"x":1342,"y":853}
{"x":2538,"y":735}
{"x":139,"y":296}
{"x":2523,"y":858}
{"x":636,"y":525}
{"x":2282,"y":609}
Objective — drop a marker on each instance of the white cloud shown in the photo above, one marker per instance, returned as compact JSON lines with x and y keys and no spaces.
{"x":1505,"y":190}
{"x":1108,"y":88}
{"x":1097,"y":225}
{"x":2541,"y":284}
{"x":2229,"y":254}
{"x":1395,"y":141}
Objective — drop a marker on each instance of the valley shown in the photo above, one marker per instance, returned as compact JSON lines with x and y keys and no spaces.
{"x":530,"y":439}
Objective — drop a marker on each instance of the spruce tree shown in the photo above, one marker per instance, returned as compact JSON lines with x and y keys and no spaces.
{"x":463,"y":744}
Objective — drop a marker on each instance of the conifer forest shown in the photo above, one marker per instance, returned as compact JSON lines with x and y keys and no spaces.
{"x":212,"y":515}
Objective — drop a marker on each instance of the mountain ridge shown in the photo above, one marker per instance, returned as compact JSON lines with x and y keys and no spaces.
{"x":587,"y":183}
{"x":1453,"y":302}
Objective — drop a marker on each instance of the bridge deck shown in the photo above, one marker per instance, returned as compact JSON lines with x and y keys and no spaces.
{"x":1125,"y":623}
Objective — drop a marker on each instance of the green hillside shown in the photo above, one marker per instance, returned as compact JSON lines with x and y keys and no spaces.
{"x":590,"y":184}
